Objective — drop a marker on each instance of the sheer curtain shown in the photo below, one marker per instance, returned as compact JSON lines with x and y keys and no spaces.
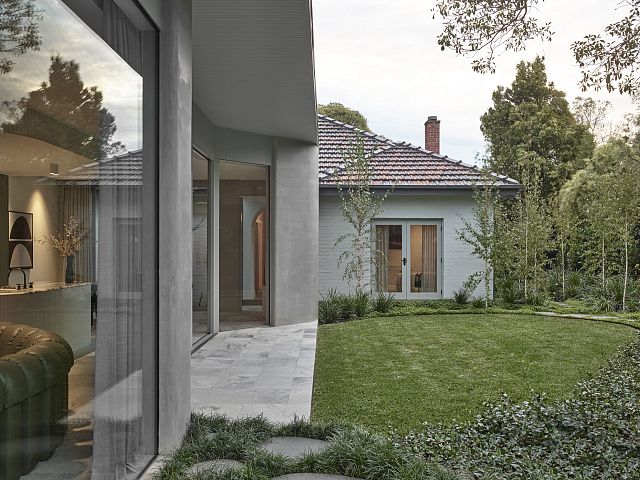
{"x":118,"y":374}
{"x":429,"y":258}
{"x":382,"y":257}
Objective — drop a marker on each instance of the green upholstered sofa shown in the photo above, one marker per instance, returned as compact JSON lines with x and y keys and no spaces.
{"x":34,"y":369}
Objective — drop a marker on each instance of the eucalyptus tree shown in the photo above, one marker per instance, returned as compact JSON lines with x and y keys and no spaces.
{"x":482,"y":29}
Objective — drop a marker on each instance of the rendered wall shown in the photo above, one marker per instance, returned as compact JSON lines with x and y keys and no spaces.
{"x":294,"y":233}
{"x":458,"y":261}
{"x":174,"y":302}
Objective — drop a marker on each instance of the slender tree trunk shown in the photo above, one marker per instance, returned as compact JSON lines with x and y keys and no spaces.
{"x":562,"y":259}
{"x":486,"y":283}
{"x":603,"y":261}
{"x":626,"y":267}
{"x":526,"y":257}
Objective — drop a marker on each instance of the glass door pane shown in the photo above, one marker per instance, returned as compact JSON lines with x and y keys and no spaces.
{"x":424,"y":258}
{"x":389,"y":254}
{"x":200,"y":238}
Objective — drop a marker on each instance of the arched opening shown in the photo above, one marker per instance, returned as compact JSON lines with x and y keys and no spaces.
{"x":259,"y":242}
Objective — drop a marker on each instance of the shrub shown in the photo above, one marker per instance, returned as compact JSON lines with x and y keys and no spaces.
{"x":383,"y":302}
{"x":594,"y":435}
{"x":329,"y":309}
{"x":461,"y":296}
{"x":478,"y":302}
{"x":572,"y":284}
{"x":536,"y":297}
{"x":361,"y":302}
{"x":509,"y":291}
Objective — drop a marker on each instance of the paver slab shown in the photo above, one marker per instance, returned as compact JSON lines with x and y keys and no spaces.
{"x":294,"y":447}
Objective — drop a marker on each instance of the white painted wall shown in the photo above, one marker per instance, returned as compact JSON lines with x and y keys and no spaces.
{"x":42,"y":200}
{"x":458,"y":262}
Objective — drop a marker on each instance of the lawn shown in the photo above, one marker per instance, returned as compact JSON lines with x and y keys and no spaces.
{"x":403,"y":371}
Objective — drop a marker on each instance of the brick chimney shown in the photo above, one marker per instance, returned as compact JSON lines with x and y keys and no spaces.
{"x":432,"y":134}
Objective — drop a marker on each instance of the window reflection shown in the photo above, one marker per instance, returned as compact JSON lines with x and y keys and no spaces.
{"x":71,"y":163}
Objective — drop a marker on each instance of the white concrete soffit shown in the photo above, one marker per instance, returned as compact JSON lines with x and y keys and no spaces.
{"x":253,"y":66}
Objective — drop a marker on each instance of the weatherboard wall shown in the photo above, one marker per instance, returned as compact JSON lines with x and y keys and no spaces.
{"x":458,"y":261}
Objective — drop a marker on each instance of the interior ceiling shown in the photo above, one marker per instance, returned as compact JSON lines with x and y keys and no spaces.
{"x":242,"y":171}
{"x":29,"y":157}
{"x":253,"y":66}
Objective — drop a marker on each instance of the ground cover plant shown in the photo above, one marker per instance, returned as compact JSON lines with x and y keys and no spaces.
{"x":352,"y":452}
{"x":594,"y":434}
{"x":403,"y":371}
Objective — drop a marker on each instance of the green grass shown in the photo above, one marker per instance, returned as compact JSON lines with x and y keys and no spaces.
{"x":403,"y":371}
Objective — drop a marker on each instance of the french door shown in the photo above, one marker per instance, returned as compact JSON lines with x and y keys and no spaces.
{"x":408,"y":258}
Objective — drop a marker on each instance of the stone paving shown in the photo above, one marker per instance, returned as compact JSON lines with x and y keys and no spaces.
{"x":266,"y":370}
{"x":294,"y":447}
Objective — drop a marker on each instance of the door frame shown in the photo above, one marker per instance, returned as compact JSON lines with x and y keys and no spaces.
{"x":423,"y":295}
{"x":406,"y":293}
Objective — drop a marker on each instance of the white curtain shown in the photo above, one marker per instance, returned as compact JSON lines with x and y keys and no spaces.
{"x":429,"y":258}
{"x":118,"y":374}
{"x":382,"y":257}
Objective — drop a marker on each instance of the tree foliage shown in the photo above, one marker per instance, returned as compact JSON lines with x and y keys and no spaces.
{"x":593,"y":115}
{"x":532,"y":117}
{"x":488,"y":27}
{"x":344,"y":114}
{"x":65,"y":113}
{"x":19,"y":31}
{"x":480,"y":232}
{"x":359,"y":206}
{"x":602,"y":202}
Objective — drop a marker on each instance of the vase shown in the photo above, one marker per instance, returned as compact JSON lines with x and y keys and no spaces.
{"x":69,"y":273}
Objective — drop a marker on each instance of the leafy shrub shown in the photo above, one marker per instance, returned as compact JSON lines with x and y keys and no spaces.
{"x":572,"y":284}
{"x":536,"y":297}
{"x":461,"y":296}
{"x":383,"y":302}
{"x":594,"y":435}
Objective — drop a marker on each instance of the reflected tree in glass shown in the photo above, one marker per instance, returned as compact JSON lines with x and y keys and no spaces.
{"x":19,"y":31}
{"x":65,"y":113}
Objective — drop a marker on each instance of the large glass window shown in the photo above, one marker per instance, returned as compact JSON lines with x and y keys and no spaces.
{"x":200,"y":238}
{"x":71,"y":245}
{"x":244,"y":238}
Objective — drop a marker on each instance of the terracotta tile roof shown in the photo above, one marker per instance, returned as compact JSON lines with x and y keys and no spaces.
{"x":394,"y":163}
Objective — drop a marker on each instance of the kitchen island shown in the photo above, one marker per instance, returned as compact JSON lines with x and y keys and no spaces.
{"x":62,"y":308}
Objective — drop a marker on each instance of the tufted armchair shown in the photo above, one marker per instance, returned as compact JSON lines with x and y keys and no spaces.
{"x":34,"y":368}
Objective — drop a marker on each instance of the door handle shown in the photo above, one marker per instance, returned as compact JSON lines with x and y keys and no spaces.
{"x":404,"y":261}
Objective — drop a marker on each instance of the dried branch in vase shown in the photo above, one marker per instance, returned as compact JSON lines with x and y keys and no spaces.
{"x":69,"y":240}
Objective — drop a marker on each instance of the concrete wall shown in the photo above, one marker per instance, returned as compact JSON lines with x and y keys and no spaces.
{"x":458,"y":261}
{"x":294,"y":232}
{"x":174,"y":284}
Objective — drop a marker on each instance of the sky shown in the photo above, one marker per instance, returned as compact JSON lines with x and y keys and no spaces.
{"x":381,"y":57}
{"x":63,"y":34}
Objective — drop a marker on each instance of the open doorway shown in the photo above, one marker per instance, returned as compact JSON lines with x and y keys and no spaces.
{"x":244,"y":239}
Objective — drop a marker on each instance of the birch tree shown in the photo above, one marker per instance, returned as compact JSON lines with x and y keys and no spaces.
{"x":359,"y":206}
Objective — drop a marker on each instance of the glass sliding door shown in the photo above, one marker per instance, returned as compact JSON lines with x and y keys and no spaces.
{"x":77,"y":248}
{"x":390,"y":258}
{"x":423,"y":251}
{"x":407,"y":258}
{"x":200,"y":239}
{"x":244,"y":245}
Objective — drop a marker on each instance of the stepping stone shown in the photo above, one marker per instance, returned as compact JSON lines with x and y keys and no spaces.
{"x":216,"y":466}
{"x":312,"y":476}
{"x":294,"y":447}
